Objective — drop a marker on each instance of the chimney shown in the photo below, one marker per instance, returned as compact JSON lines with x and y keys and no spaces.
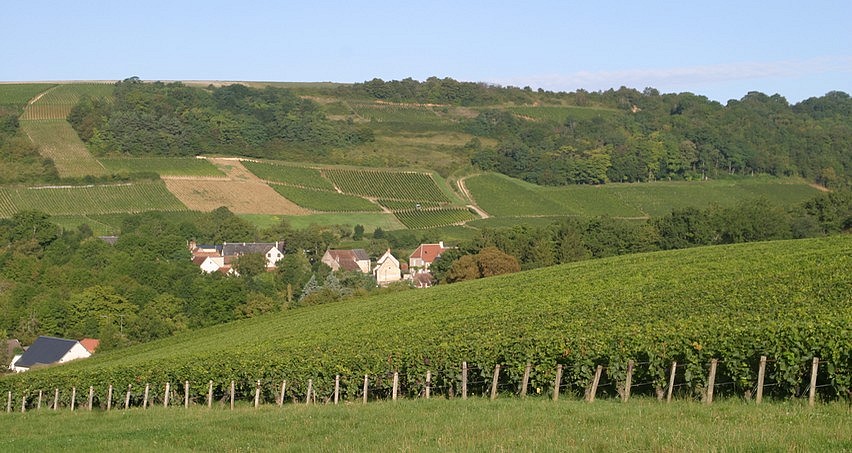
{"x":441,"y":244}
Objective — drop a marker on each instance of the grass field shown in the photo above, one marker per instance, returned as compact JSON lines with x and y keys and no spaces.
{"x":434,"y":217}
{"x":442,"y":425}
{"x":164,"y":166}
{"x":57,"y":140}
{"x":101,"y":199}
{"x":370,"y":221}
{"x":321,"y":200}
{"x":502,"y":196}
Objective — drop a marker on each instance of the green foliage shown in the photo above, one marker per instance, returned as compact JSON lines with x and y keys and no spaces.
{"x":289,"y":174}
{"x":787,"y":300}
{"x":164,"y":166}
{"x":321,"y":200}
{"x":387,"y":184}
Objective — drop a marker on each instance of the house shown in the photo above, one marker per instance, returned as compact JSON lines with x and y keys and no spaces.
{"x":387,"y":270}
{"x":272,"y":251}
{"x":422,"y":279}
{"x":91,"y":344}
{"x":47,"y":351}
{"x":425,"y":255}
{"x":219,"y":258}
{"x":347,"y":260}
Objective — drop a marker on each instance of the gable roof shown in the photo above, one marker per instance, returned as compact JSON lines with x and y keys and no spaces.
{"x":242,"y":248}
{"x":45,"y":350}
{"x":428,"y":252}
{"x":91,"y":344}
{"x":348,"y":259}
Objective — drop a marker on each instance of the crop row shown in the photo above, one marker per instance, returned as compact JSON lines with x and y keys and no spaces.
{"x":433,"y":217}
{"x":41,"y":111}
{"x":164,"y":166}
{"x":387,"y":184}
{"x":289,"y":174}
{"x":18,"y":94}
{"x":320,"y":200}
{"x":788,"y":300}
{"x":401,"y":205}
{"x":7,"y":206}
{"x":136,"y":197}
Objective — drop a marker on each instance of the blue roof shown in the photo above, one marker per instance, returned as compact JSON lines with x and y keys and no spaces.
{"x":45,"y":350}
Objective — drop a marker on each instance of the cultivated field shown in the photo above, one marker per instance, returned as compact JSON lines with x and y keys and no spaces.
{"x":57,"y":140}
{"x":56,"y":103}
{"x":14,"y":96}
{"x":433,"y":217}
{"x":387,"y":184}
{"x":164,"y":166}
{"x":289,"y":174}
{"x":241,"y":197}
{"x":327,"y":201}
{"x":95,"y":199}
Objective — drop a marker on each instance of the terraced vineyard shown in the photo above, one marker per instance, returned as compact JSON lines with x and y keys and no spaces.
{"x":387,"y":184}
{"x":327,"y":201}
{"x":164,"y":166}
{"x":289,"y":174}
{"x":433,"y":217}
{"x":102,"y":199}
{"x":788,"y":300}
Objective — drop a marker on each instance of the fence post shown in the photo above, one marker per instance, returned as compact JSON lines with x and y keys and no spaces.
{"x":494,"y":382}
{"x":56,"y":399}
{"x":232,"y":395}
{"x":127,"y":397}
{"x":595,"y":382}
{"x":109,"y":398}
{"x":73,"y":398}
{"x":210,"y":394}
{"x":526,"y":380}
{"x":428,"y":383}
{"x":711,"y":382}
{"x":671,"y":382}
{"x":336,"y":388}
{"x":283,"y":391}
{"x":557,"y":382}
{"x":257,"y":394}
{"x":629,"y":381}
{"x":464,"y":380}
{"x":760,"y":375}
{"x":9,"y":403}
{"x":186,"y":394}
{"x":814,"y":369}
{"x":38,"y":407}
{"x":167,"y":394}
{"x":395,"y":385}
{"x":145,"y":399}
{"x":366,"y":381}
{"x":310,"y":389}
{"x":92,"y":396}
{"x":23,"y":403}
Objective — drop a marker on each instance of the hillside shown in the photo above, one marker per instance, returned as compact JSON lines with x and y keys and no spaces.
{"x":788,"y":300}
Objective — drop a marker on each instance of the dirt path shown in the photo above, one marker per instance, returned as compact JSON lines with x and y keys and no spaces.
{"x":463,"y":189}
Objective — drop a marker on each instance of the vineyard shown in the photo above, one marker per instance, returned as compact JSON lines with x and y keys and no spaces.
{"x":104,"y":199}
{"x":790,"y":301}
{"x":7,"y":206}
{"x":15,"y":96}
{"x":56,"y":103}
{"x":288,"y":174}
{"x":387,"y":184}
{"x":59,"y":142}
{"x":320,"y":200}
{"x":433,"y":217}
{"x":402,"y":205}
{"x":164,"y":166}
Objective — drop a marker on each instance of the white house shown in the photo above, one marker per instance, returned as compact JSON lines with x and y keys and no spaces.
{"x":47,"y":351}
{"x":218,"y":258}
{"x":387,"y":270}
{"x":348,"y":260}
{"x":425,"y":255}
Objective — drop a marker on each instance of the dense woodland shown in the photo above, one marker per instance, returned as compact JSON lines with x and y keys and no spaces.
{"x":71,"y":284}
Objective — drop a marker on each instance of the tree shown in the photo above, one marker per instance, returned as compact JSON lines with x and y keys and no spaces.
{"x":493,"y":261}
{"x":358,"y":233}
{"x":250,"y":265}
{"x":294,"y":269}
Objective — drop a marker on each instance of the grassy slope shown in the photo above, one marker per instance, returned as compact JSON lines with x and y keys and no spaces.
{"x":441,"y":425}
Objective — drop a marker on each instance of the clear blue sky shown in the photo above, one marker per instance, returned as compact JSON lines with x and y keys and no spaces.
{"x":721,"y":49}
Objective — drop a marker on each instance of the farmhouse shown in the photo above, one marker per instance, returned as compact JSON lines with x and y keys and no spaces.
{"x":387,"y":270}
{"x":348,"y":260}
{"x":47,"y":351}
{"x":219,"y":258}
{"x":425,"y":255}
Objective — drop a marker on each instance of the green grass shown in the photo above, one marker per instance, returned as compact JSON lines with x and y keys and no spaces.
{"x":502,"y":196}
{"x":369,"y":221}
{"x":320,"y":200}
{"x":289,"y":174}
{"x":164,"y":166}
{"x":435,"y":217}
{"x":101,"y":199}
{"x":442,"y":425}
{"x":57,"y":140}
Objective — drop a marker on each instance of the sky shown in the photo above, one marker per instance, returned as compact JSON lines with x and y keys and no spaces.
{"x":720,"y":49}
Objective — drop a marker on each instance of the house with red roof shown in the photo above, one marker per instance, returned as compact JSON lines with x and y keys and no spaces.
{"x":347,"y":260}
{"x":425,"y":255}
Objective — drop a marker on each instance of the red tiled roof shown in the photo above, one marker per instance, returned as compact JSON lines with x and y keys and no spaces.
{"x":428,"y":252}
{"x":91,"y":344}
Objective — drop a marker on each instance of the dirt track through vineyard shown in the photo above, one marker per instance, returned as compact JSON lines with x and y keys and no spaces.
{"x":242,"y":192}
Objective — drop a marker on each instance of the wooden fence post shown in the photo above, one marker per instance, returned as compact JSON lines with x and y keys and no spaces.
{"x":628,"y":382}
{"x":73,"y":398}
{"x":91,"y":396}
{"x":711,"y":382}
{"x":595,"y":382}
{"x":814,"y":369}
{"x":167,"y":394}
{"x":494,"y":382}
{"x":127,"y":397}
{"x":56,"y":399}
{"x":395,"y":390}
{"x":109,"y":398}
{"x":366,"y":381}
{"x":38,"y":407}
{"x":210,"y":394}
{"x":23,"y":403}
{"x":9,"y":403}
{"x":257,"y":394}
{"x":671,"y":382}
{"x":310,"y":389}
{"x":428,"y":383}
{"x":186,"y":394}
{"x":464,"y":380}
{"x":336,"y":388}
{"x":760,"y":376}
{"x":283,"y":391}
{"x":526,"y":380}
{"x":232,"y":395}
{"x":145,"y":399}
{"x":557,"y":382}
